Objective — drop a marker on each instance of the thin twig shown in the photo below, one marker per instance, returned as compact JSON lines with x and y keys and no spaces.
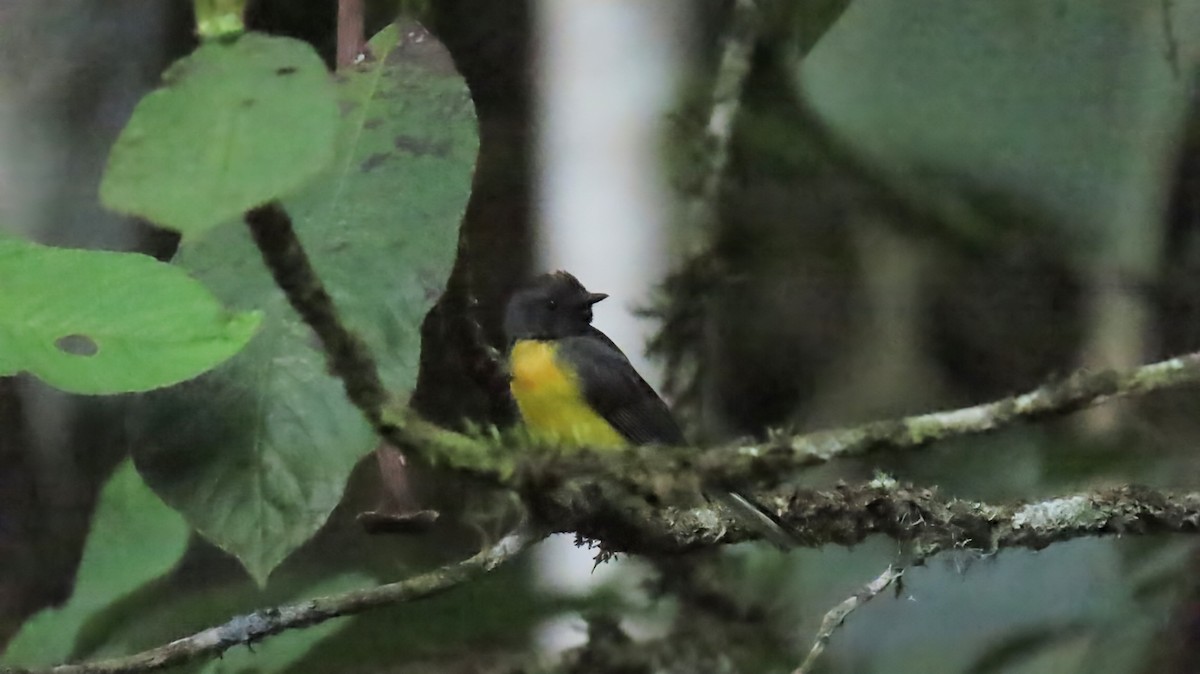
{"x":837,"y":615}
{"x":254,"y":627}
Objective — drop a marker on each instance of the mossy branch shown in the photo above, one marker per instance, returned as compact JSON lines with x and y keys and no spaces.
{"x":657,"y":471}
{"x":917,"y":517}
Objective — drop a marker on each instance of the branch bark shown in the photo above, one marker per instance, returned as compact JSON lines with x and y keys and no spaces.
{"x":348,"y":356}
{"x":847,"y":514}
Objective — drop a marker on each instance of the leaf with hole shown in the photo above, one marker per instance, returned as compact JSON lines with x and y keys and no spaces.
{"x":90,"y":321}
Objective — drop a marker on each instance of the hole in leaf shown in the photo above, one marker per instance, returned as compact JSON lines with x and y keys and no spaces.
{"x":77,"y":345}
{"x":286,"y":70}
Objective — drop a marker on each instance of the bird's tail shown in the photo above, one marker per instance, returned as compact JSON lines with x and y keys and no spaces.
{"x":755,"y":516}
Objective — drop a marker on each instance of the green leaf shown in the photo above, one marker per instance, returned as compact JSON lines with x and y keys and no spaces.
{"x":101,"y":322}
{"x":235,"y":125}
{"x":135,"y":538}
{"x":256,"y":454}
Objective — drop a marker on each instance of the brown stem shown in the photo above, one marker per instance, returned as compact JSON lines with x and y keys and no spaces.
{"x":348,"y":356}
{"x":350,"y":40}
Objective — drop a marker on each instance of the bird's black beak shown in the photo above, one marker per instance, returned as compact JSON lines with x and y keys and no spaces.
{"x":592,"y":298}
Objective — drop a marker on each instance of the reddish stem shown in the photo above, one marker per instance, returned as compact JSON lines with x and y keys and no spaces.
{"x":350,"y":40}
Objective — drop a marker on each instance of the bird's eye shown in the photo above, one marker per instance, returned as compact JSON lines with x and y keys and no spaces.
{"x":551,"y":305}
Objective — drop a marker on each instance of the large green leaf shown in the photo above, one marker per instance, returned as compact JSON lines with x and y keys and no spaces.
{"x":135,"y":538}
{"x":256,"y":454}
{"x":101,"y":322}
{"x":235,"y":125}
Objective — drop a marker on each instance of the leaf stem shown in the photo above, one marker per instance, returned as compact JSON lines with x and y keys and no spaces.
{"x":218,"y":19}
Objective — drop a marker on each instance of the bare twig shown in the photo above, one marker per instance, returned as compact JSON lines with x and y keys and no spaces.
{"x":837,"y":615}
{"x":249,"y":629}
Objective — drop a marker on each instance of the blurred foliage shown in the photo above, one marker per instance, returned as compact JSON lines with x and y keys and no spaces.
{"x":115,"y":563}
{"x":937,"y":206}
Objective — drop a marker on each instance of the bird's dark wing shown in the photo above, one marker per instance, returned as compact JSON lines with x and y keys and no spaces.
{"x":617,"y":392}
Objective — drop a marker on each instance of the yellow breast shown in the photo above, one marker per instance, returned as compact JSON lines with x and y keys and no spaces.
{"x":551,"y":400}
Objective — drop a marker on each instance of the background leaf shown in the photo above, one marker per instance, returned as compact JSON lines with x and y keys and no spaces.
{"x":235,"y":125}
{"x":135,"y":538}
{"x":103,"y":322}
{"x":257,"y":454}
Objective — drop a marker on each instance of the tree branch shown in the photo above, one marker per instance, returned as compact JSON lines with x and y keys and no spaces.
{"x":837,"y":615}
{"x":348,"y":356}
{"x":1078,"y":391}
{"x":254,"y":627}
{"x":848,"y":514}
{"x":657,"y":470}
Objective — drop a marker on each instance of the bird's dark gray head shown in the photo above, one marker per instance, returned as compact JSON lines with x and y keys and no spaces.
{"x":553,"y":305}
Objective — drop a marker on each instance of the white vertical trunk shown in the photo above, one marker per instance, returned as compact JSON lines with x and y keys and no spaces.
{"x":604,"y":82}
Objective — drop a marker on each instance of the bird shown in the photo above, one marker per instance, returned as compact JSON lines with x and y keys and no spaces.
{"x":574,"y":387}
